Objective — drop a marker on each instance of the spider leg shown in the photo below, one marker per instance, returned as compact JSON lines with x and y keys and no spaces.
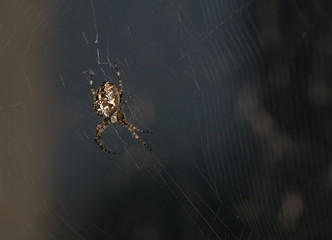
{"x":120,"y":80}
{"x":91,"y":82}
{"x":125,"y":102}
{"x":134,"y":134}
{"x":128,"y":123}
{"x":99,"y":130}
{"x":133,"y":127}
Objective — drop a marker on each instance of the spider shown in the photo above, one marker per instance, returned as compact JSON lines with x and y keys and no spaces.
{"x":107,"y":101}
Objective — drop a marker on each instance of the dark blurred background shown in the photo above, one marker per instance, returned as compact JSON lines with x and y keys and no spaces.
{"x":237,"y":93}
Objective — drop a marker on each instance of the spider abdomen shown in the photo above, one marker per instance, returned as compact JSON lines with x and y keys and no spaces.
{"x":107,"y":99}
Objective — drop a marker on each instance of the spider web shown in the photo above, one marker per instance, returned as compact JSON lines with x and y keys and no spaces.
{"x":237,"y":94}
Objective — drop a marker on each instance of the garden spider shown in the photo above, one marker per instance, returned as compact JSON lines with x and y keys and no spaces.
{"x":107,"y":101}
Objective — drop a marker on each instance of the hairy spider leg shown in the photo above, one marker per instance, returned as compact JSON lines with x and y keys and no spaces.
{"x":128,"y":123}
{"x":120,"y":80}
{"x":91,"y":82}
{"x":137,"y":137}
{"x":125,"y":102}
{"x":99,"y":130}
{"x":133,"y":127}
{"x":130,"y":128}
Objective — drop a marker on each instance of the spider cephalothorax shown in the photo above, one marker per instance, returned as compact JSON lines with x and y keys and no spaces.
{"x":108,"y":103}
